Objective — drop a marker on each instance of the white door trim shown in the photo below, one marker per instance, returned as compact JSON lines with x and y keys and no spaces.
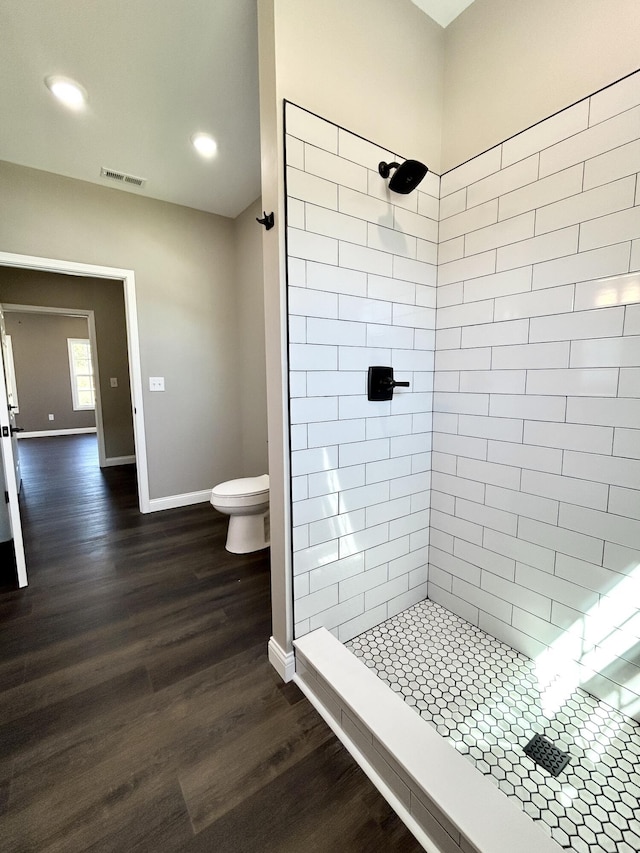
{"x":10,"y":259}
{"x":11,"y":476}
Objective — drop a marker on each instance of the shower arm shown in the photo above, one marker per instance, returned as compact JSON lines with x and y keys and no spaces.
{"x":384,"y":169}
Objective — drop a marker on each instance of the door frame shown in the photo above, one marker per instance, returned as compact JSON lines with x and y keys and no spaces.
{"x":127,"y":277}
{"x":11,"y":480}
{"x":88,"y":315}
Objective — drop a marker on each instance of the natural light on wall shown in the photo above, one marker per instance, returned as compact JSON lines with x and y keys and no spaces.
{"x":618,"y":290}
{"x":609,"y":633}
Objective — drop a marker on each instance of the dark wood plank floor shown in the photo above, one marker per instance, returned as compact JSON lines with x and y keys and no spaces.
{"x":138,"y":711}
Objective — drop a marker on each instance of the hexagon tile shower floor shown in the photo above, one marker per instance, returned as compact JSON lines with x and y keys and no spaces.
{"x":484,"y":698}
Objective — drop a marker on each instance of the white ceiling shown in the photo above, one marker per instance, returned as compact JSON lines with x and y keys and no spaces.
{"x":156,"y":71}
{"x":442,"y":11}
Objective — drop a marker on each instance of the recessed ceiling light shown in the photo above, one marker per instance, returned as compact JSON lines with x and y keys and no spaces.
{"x":68,"y":91}
{"x":204,"y":144}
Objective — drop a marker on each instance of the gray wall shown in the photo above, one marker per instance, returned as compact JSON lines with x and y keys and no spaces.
{"x":250,"y":371}
{"x":508,"y":65}
{"x":41,"y":361}
{"x":374,"y":66}
{"x":184,"y":262}
{"x":106,"y":299}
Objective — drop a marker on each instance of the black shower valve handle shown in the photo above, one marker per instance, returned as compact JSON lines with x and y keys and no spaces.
{"x":380,"y":383}
{"x":391,"y":383}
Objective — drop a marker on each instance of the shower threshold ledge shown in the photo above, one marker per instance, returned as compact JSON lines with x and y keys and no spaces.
{"x":446,"y":803}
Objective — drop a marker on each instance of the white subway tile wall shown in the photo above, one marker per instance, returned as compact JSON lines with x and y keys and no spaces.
{"x":361,"y":292}
{"x":526,"y":496}
{"x":535,"y":521}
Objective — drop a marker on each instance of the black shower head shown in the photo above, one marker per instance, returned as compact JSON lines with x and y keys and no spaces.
{"x":407,"y":176}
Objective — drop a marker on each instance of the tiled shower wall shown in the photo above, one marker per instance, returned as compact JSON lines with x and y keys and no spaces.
{"x":535,"y":520}
{"x":361,"y":291}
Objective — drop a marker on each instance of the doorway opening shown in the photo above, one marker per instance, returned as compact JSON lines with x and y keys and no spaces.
{"x":127,"y":277}
{"x":94,"y":423}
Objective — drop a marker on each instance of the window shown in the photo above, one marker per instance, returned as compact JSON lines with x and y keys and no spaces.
{"x":81,"y":369}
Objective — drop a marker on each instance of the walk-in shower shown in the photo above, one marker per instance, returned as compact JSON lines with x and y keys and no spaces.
{"x":474,"y":538}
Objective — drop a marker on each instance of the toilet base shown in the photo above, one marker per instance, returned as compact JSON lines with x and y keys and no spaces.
{"x":248,"y":533}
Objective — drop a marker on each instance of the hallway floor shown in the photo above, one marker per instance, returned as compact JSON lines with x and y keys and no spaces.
{"x":138,"y":710}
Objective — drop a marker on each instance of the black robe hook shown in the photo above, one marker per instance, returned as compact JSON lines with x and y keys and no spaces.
{"x":267,"y":220}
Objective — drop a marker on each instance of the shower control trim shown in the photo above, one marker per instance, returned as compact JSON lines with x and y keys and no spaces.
{"x":380,"y":383}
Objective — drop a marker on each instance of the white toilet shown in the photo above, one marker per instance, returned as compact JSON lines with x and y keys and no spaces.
{"x":246,"y":502}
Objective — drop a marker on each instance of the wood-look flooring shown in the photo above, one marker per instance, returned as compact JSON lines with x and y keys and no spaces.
{"x":138,"y":711}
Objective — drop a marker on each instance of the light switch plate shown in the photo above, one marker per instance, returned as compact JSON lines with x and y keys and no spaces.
{"x":114,"y":381}
{"x":156,"y":383}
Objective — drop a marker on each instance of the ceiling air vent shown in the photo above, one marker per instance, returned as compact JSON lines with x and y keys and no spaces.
{"x":114,"y":175}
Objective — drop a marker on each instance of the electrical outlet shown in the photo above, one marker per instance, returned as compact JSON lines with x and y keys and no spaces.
{"x":114,"y":382}
{"x":156,"y":383}
{"x":51,"y":417}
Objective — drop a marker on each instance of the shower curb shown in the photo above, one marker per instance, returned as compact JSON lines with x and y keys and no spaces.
{"x":443,"y":800}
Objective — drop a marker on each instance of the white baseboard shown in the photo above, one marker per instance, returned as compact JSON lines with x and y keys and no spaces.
{"x":283,"y":662}
{"x":173,"y":501}
{"x":118,"y":460}
{"x":45,"y":433}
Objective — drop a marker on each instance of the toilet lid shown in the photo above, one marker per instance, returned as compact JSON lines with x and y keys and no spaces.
{"x":244,"y":486}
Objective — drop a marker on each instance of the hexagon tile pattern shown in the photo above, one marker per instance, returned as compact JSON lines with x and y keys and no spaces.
{"x":484,"y":698}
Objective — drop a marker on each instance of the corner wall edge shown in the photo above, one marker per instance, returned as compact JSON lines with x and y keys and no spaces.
{"x":283,"y":662}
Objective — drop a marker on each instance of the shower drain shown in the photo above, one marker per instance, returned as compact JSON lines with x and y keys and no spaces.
{"x":548,"y":756}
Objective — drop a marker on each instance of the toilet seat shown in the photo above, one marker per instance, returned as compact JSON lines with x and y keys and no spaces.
{"x":245,"y":492}
{"x":244,"y":487}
